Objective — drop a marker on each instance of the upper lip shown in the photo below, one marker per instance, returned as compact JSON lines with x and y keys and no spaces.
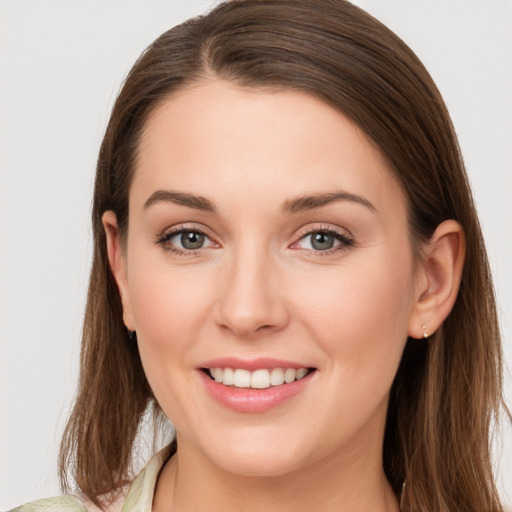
{"x":252,"y":364}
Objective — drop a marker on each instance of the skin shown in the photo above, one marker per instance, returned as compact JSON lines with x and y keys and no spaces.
{"x":258,"y":288}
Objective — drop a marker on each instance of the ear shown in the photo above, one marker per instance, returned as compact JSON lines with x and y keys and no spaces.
{"x":117,"y":260}
{"x":438,"y":279}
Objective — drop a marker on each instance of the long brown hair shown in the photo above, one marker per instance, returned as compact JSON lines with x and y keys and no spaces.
{"x":447,"y":391}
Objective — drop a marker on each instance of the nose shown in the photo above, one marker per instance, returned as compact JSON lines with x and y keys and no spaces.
{"x":251,"y":299}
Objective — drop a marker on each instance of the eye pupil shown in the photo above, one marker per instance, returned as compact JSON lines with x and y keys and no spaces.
{"x":322,"y":241}
{"x":192,"y":240}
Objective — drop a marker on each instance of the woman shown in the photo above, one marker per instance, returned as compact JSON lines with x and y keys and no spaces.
{"x":288,"y":265}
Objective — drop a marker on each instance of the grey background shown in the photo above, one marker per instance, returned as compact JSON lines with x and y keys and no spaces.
{"x":61,"y":65}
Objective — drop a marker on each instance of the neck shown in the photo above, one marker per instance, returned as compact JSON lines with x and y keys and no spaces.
{"x":344,"y":481}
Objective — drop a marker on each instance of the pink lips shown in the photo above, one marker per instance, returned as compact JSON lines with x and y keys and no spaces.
{"x":251,"y":400}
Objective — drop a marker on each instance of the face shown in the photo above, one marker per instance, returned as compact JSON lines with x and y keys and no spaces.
{"x":268,"y":241}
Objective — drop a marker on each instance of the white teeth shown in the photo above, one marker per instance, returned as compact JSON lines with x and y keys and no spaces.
{"x":229,"y":377}
{"x":258,"y":379}
{"x":277,"y":377}
{"x":242,"y":378}
{"x":301,"y":372}
{"x":289,"y":375}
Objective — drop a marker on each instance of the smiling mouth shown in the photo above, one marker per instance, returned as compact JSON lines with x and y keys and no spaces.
{"x":257,"y":379}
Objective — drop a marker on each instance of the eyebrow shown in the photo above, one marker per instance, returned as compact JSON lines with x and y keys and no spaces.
{"x":181,"y":198}
{"x":318,"y":200}
{"x":296,"y":205}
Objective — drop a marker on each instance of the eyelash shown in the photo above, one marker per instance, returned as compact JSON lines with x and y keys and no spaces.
{"x":164,"y":239}
{"x":344,"y":239}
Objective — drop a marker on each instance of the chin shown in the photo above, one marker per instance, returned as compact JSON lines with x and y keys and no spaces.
{"x":257,"y":457}
{"x":262,"y":466}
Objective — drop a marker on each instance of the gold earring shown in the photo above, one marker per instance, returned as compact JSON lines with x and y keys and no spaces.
{"x":425,"y":334}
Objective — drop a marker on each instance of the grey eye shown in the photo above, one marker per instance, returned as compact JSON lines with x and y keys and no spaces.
{"x":192,"y":240}
{"x":186,"y":241}
{"x":321,"y":241}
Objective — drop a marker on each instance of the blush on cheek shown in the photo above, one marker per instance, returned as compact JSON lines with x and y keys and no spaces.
{"x":169,"y":307}
{"x":360,"y":310}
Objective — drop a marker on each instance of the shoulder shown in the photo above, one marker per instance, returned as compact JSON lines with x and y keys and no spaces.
{"x":67,"y":503}
{"x":137,"y":497}
{"x":70,"y":503}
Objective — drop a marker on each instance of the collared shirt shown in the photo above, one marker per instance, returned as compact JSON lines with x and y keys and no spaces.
{"x":138,"y":498}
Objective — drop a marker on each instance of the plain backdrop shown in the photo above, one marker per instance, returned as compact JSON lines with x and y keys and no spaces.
{"x":61,"y":65}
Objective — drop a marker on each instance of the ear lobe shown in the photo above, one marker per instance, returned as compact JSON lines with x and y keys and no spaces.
{"x":439,"y":279}
{"x":117,"y":260}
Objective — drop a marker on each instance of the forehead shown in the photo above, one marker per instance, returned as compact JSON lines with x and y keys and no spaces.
{"x":218,"y":138}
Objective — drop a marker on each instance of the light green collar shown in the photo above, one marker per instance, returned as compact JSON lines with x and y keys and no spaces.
{"x":142,"y":489}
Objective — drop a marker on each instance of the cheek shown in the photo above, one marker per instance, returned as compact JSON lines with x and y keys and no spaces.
{"x":361,"y":315}
{"x":170,"y":310}
{"x":167,"y":303}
